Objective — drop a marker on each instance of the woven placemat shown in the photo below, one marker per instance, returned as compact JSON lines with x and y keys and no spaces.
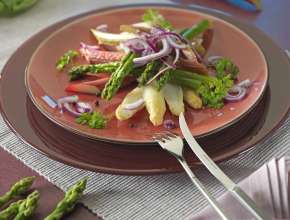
{"x":145,"y":197}
{"x":112,"y":196}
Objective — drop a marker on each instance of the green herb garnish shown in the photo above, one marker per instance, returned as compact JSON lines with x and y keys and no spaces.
{"x":153,"y":17}
{"x":66,"y":59}
{"x":93,"y":120}
{"x":226,"y":67}
{"x":212,"y":90}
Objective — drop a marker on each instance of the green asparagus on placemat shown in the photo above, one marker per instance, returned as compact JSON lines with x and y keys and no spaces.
{"x":10,"y":211}
{"x":17,"y":189}
{"x":28,"y":206}
{"x":69,"y":201}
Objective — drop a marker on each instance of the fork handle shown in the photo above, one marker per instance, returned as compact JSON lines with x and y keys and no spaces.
{"x":202,"y":189}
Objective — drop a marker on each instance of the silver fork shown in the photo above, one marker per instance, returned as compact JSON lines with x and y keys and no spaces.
{"x":174,"y":145}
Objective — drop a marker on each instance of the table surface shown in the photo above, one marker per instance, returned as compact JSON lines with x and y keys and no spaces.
{"x":272,"y":20}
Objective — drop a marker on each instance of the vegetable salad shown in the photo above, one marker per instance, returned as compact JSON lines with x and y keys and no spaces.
{"x":166,"y":64}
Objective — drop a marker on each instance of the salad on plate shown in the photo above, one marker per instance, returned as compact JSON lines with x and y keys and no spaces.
{"x":165,"y":67}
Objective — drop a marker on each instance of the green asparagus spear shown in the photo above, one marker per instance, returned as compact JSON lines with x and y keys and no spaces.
{"x":150,"y":70}
{"x":11,"y":210}
{"x":195,"y":30}
{"x":78,"y":71}
{"x":69,"y":201}
{"x":118,"y":76}
{"x":154,"y":18}
{"x":212,"y":90}
{"x":165,"y":78}
{"x":17,"y":189}
{"x":28,"y":206}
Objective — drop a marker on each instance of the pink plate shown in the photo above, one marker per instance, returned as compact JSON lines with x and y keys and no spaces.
{"x":42,"y":78}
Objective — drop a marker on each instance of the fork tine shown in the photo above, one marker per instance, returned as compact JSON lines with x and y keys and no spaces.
{"x":162,"y":136}
{"x":159,"y":138}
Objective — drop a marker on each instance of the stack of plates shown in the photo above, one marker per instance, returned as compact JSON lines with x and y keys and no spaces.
{"x":124,"y":149}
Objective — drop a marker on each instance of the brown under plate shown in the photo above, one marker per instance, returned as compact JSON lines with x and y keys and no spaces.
{"x":61,"y":145}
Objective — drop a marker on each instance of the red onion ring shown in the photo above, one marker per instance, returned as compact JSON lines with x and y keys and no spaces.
{"x":69,"y":108}
{"x":165,"y":51}
{"x":177,"y":55}
{"x":67,"y":99}
{"x":212,"y":60}
{"x":174,"y":44}
{"x":239,"y":93}
{"x":245,"y":83}
{"x":134,"y":105}
{"x":169,"y":124}
{"x":84,"y":107}
{"x":136,"y":45}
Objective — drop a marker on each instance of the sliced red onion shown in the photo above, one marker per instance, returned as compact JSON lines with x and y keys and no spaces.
{"x":83,"y":107}
{"x":168,"y":62}
{"x":67,"y":99}
{"x":165,"y":51}
{"x":158,"y":33}
{"x":174,"y":44}
{"x":169,"y":124}
{"x":214,"y":59}
{"x":102,"y":27}
{"x":245,"y":83}
{"x":137,"y":45}
{"x":152,"y":44}
{"x":134,"y":105}
{"x":123,"y":47}
{"x":158,"y":74}
{"x":147,"y":51}
{"x":90,"y":47}
{"x":237,"y":93}
{"x":50,"y":101}
{"x":177,"y":55}
{"x":67,"y":106}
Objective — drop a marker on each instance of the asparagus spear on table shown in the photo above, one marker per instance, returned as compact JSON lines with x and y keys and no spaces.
{"x":69,"y":201}
{"x":10,"y":211}
{"x":28,"y":206}
{"x":22,"y":209}
{"x":17,"y":189}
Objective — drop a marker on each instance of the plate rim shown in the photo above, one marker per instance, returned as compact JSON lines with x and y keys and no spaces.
{"x":122,"y":141}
